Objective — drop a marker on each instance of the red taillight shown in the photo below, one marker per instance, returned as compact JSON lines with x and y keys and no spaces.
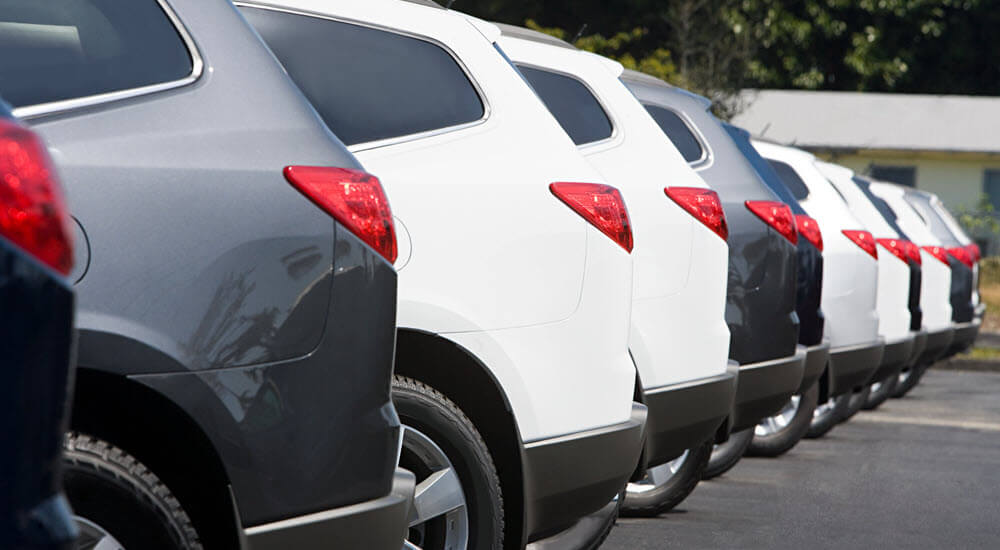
{"x":809,"y":228}
{"x":974,"y":250}
{"x":938,"y":252}
{"x":703,"y":204}
{"x":896,"y":246}
{"x":864,"y":240}
{"x":354,"y":198}
{"x":778,"y":215}
{"x":962,"y":254}
{"x":601,"y":205}
{"x":32,"y":210}
{"x":913,"y":252}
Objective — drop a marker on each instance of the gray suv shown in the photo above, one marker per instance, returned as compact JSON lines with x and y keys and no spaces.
{"x":236,"y":295}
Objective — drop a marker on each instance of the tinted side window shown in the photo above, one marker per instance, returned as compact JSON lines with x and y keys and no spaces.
{"x":67,"y":49}
{"x":883,"y":207}
{"x":369,"y":84}
{"x":791,"y":179}
{"x":678,"y":132}
{"x":576,"y":109}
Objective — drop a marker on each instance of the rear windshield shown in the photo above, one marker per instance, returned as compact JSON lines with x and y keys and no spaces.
{"x":56,"y":50}
{"x":791,"y":179}
{"x":883,"y":207}
{"x":678,"y":131}
{"x":571,"y":103}
{"x":369,"y":84}
{"x":766,"y":172}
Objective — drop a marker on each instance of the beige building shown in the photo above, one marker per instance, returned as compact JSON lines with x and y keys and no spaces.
{"x":949,"y":145}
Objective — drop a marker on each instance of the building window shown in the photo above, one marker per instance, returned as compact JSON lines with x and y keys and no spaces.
{"x":991,"y":186}
{"x":903,"y":175}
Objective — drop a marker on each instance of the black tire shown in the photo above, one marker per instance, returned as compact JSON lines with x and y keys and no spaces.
{"x":608,"y":526}
{"x":726,"y":455}
{"x":878,"y":395}
{"x":782,"y":441}
{"x":667,"y":496}
{"x":855,"y":401}
{"x":110,"y":488}
{"x":435,"y":416}
{"x":908,"y":380}
{"x":826,"y":416}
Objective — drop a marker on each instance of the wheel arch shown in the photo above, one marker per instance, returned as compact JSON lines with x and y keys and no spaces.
{"x":461,"y":376}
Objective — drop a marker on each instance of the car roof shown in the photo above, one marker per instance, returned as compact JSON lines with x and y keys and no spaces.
{"x":514,"y":31}
{"x":428,"y":3}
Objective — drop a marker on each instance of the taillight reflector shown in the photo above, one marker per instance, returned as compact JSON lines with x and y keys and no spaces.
{"x":962,"y":254}
{"x":913,"y":252}
{"x":897,"y":247}
{"x":33,"y":212}
{"x":809,"y":228}
{"x":354,"y":198}
{"x":864,"y":240}
{"x":703,"y":204}
{"x":938,"y":252}
{"x":601,"y":205}
{"x":778,"y":215}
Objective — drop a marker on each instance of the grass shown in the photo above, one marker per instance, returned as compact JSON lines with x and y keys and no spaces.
{"x":982,"y":354}
{"x":989,"y":291}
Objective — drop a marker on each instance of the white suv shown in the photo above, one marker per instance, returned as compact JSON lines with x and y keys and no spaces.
{"x":850,"y":280}
{"x":679,"y":338}
{"x":513,"y":376}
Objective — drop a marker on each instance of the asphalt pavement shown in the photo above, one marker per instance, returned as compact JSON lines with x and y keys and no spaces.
{"x":920,"y":472}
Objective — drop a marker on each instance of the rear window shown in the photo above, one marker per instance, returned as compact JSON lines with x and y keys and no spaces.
{"x":679,"y":133}
{"x":570,"y":101}
{"x":791,"y":179}
{"x":67,"y":49}
{"x":369,"y":84}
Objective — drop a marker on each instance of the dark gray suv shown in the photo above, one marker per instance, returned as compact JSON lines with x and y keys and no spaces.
{"x":236,"y":295}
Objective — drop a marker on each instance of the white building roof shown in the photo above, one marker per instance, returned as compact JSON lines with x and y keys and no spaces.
{"x":856,"y":120}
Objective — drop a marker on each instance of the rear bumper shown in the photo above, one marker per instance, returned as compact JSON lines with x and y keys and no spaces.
{"x":569,"y":477}
{"x":682,"y":416}
{"x":895,"y":356}
{"x":377,"y":524}
{"x":965,"y":336}
{"x":938,"y":343}
{"x":853,"y":366}
{"x":763,"y":388}
{"x":816,"y":359}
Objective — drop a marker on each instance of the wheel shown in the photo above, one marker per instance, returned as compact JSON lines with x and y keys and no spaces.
{"x":776,"y":435}
{"x":667,"y":485}
{"x":879,"y":392}
{"x":826,"y":416}
{"x":118,"y":504}
{"x":726,"y":455}
{"x":458,"y":502}
{"x":854,"y":403}
{"x":908,"y":380}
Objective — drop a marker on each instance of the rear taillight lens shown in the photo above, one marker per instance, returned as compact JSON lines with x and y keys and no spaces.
{"x":778,"y":215}
{"x":864,"y":240}
{"x":703,"y":204}
{"x":354,"y":198}
{"x":961,"y":254}
{"x":809,"y":228}
{"x":33,"y":212}
{"x":974,"y":250}
{"x":913,"y":252}
{"x":938,"y":252}
{"x":896,"y":246}
{"x":601,"y":205}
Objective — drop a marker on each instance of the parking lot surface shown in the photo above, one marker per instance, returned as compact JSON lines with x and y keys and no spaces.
{"x":920,"y":472}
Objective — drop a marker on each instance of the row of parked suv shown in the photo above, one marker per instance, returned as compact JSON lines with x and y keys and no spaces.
{"x":588,"y":295}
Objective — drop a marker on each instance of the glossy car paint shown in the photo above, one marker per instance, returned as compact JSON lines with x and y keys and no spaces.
{"x":893,"y":273}
{"x":500,"y":268}
{"x":850,"y":275}
{"x":214,"y":284}
{"x":763,"y":265}
{"x":935,"y":287}
{"x":36,"y":342}
{"x":679,"y":263}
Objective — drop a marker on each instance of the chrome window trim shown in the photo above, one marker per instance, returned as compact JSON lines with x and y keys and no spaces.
{"x":707,"y":158}
{"x":377,"y":144}
{"x":615,"y":132}
{"x":62,"y":106}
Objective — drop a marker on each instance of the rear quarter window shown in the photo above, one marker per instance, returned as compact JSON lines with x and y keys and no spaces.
{"x":369,"y":84}
{"x":791,"y":179}
{"x":679,"y":133}
{"x":572,"y":104}
{"x":56,"y":50}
